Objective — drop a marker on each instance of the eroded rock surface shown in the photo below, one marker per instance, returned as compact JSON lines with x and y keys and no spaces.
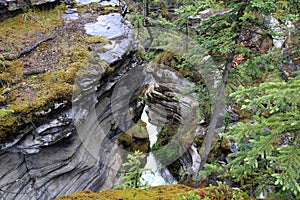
{"x":114,"y":28}
{"x":74,"y":146}
{"x":56,"y":156}
{"x":174,"y":111}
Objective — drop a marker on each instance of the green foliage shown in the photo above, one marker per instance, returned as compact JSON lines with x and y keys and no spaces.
{"x":221,"y":30}
{"x":269,"y":146}
{"x":220,"y":192}
{"x":268,"y":154}
{"x":192,"y":196}
{"x":235,"y":33}
{"x":133,"y":175}
{"x":4,"y":112}
{"x":213,"y":168}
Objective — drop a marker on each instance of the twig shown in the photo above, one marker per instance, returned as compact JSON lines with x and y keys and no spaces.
{"x":34,"y":72}
{"x":28,"y":50}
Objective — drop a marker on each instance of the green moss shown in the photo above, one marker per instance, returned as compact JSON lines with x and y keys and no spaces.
{"x":85,"y":195}
{"x":125,"y":140}
{"x":164,"y":136}
{"x":131,"y":6}
{"x":41,"y":92}
{"x":56,"y":85}
{"x":4,"y":112}
{"x":24,"y":96}
{"x":177,"y":62}
{"x":136,"y":138}
{"x":96,"y":7}
{"x":8,"y":124}
{"x":165,"y":192}
{"x":11,"y":72}
{"x":166,"y":58}
{"x":96,"y":39}
{"x":2,"y":100}
{"x":5,"y":90}
{"x":109,"y":9}
{"x":141,"y":146}
{"x":16,"y":30}
{"x":109,"y":71}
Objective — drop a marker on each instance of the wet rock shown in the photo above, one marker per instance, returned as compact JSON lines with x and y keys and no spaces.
{"x":71,"y":14}
{"x":69,"y":150}
{"x":110,"y":26}
{"x":84,"y":2}
{"x":60,"y":157}
{"x":110,"y":3}
{"x":165,"y":97}
{"x":3,"y":5}
{"x":44,"y":135}
{"x":58,"y":169}
{"x":118,"y":31}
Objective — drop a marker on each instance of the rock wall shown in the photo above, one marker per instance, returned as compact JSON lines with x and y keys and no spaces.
{"x":70,"y":151}
{"x":76,"y":147}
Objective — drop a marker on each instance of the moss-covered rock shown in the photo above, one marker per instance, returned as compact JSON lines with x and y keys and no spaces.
{"x":35,"y":82}
{"x":136,"y":138}
{"x":96,"y":7}
{"x":96,"y":39}
{"x":10,"y":72}
{"x":163,"y":192}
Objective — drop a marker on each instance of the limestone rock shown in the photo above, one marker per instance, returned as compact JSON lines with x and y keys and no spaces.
{"x":15,"y":5}
{"x":71,"y":150}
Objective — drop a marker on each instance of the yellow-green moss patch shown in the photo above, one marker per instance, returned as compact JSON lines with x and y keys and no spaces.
{"x":8,"y":124}
{"x":10,"y":72}
{"x":96,"y":7}
{"x":138,"y":132}
{"x":163,"y":192}
{"x":17,"y":31}
{"x":27,"y":96}
{"x":96,"y":39}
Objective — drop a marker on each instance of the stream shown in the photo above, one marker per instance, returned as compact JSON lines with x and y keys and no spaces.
{"x":161,"y":174}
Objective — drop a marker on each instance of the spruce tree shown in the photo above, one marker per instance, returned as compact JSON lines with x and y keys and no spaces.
{"x":268,"y":156}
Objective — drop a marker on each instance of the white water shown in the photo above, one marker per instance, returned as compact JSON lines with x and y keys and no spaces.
{"x":161,"y":175}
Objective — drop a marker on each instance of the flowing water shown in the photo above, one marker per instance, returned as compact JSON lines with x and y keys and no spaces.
{"x":161,"y":175}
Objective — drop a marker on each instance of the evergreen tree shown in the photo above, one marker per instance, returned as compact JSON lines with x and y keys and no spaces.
{"x":268,"y":154}
{"x":134,"y":171}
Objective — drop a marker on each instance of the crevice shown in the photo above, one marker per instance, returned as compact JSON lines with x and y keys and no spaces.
{"x":31,"y":179}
